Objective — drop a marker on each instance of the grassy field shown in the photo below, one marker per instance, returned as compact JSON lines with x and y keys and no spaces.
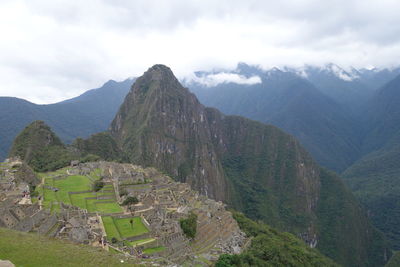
{"x":153,"y":250}
{"x":127,"y":230}
{"x":111,"y":229}
{"x":31,"y":250}
{"x":77,"y":183}
{"x":122,"y":228}
{"x":140,"y":242}
{"x":107,"y":207}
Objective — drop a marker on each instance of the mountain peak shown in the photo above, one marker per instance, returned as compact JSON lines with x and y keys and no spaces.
{"x":39,"y":147}
{"x":157,"y":79}
{"x":159,"y":71}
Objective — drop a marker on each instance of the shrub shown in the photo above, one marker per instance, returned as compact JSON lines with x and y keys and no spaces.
{"x":98,"y":185}
{"x":189,"y":225}
{"x":130,"y":201}
{"x":123,"y":192}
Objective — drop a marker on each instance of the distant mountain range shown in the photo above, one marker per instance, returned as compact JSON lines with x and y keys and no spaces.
{"x":81,"y":116}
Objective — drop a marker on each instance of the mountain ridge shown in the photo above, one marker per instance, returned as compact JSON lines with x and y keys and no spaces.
{"x":95,"y":108}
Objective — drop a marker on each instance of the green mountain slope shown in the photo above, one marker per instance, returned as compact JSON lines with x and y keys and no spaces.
{"x":272,"y":248}
{"x":375,"y":178}
{"x":40,"y":148}
{"x":254,"y":167}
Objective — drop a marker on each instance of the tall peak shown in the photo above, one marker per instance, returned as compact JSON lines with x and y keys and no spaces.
{"x":159,"y":71}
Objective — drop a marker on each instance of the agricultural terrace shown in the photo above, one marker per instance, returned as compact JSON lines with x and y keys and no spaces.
{"x":122,"y":228}
{"x":76,"y":190}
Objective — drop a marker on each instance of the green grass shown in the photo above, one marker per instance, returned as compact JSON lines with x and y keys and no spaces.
{"x":111,"y":229}
{"x":24,"y":249}
{"x":78,"y":183}
{"x":128,"y":230}
{"x":153,"y":250}
{"x":121,"y":228}
{"x":95,"y":174}
{"x":108,"y":207}
{"x":73,"y":183}
{"x":79,"y":200}
{"x":140,"y":242}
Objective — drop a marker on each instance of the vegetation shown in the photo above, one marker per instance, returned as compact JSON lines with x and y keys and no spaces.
{"x":69,"y":191}
{"x":131,"y":200}
{"x":272,"y":248}
{"x":102,"y":145}
{"x":98,"y":185}
{"x":24,"y":249}
{"x":189,"y":225}
{"x":374,"y":180}
{"x":122,"y":228}
{"x":41,"y":149}
{"x":140,"y":242}
{"x":153,"y":250}
{"x":394,"y":260}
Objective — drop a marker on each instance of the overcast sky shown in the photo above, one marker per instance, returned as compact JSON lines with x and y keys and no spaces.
{"x":52,"y":50}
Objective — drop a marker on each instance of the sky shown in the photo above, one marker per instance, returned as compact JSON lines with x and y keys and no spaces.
{"x":51,"y":50}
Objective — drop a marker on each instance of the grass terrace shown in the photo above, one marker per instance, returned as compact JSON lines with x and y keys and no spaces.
{"x":76,"y":190}
{"x":122,"y":228}
{"x":153,"y":250}
{"x":140,"y":242}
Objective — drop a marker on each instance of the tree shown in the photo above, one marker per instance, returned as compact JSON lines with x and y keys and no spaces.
{"x":189,"y":225}
{"x":130,"y":200}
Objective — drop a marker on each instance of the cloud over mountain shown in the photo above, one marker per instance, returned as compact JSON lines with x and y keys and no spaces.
{"x":53,"y":50}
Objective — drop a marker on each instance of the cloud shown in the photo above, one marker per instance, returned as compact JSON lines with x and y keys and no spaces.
{"x":223,"y":77}
{"x":51,"y":50}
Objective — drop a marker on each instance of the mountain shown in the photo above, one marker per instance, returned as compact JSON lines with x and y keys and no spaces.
{"x":40,"y":148}
{"x":256,"y":168}
{"x":343,"y":86}
{"x":377,"y":78}
{"x":375,"y":178}
{"x":383,"y":116}
{"x":95,"y":110}
{"x":287,"y":100}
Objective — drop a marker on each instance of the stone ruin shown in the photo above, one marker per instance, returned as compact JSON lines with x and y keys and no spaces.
{"x":162,"y":204}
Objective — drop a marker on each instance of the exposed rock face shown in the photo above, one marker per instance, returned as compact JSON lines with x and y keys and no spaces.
{"x":254,"y":167}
